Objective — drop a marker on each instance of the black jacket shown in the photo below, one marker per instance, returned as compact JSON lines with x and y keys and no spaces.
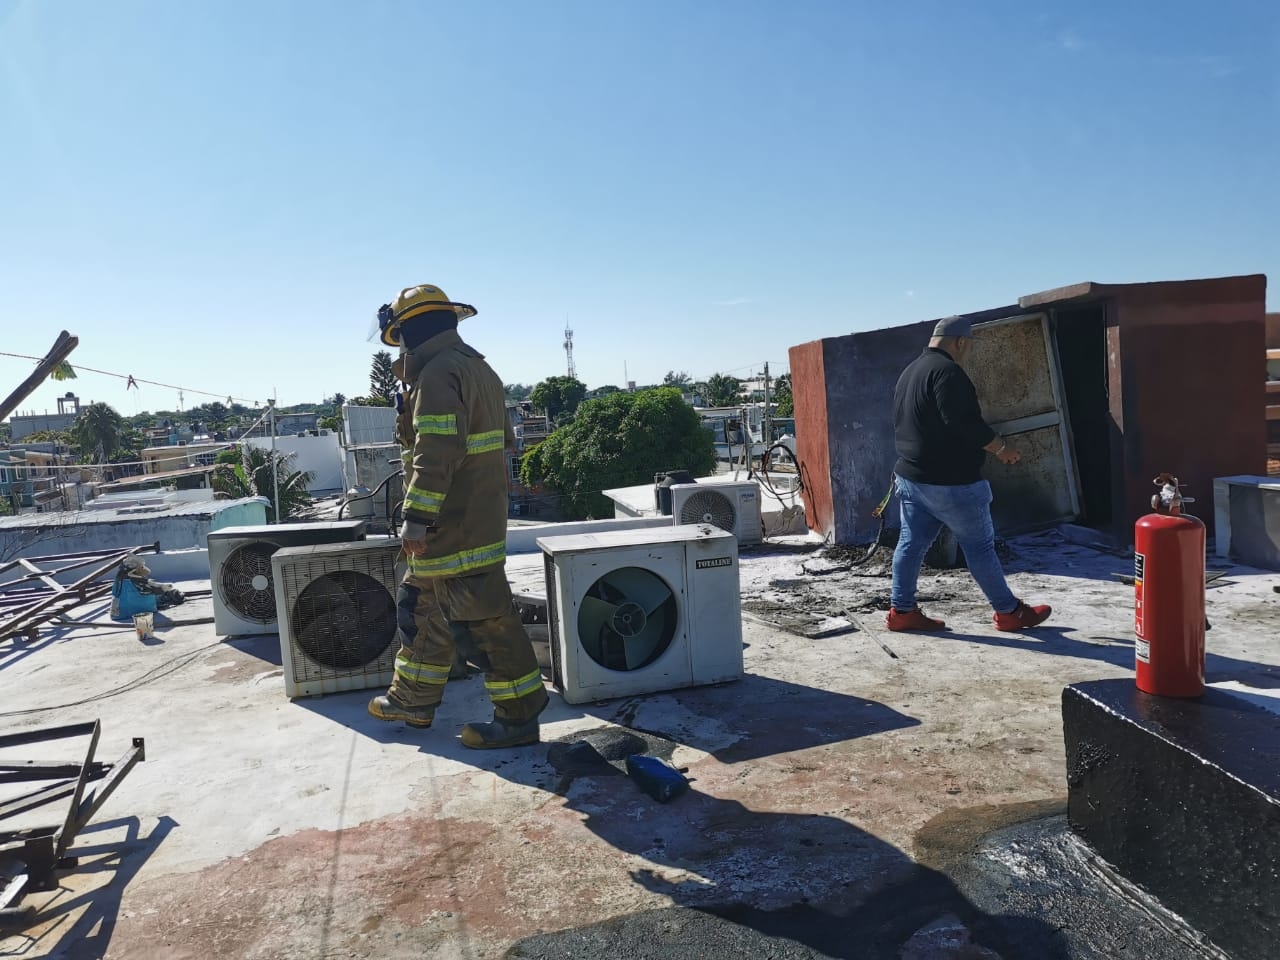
{"x":937,"y":423}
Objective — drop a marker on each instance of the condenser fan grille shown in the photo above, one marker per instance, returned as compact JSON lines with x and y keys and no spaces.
{"x":711,"y":507}
{"x":245,"y":582}
{"x":627,"y":619}
{"x":343,"y":620}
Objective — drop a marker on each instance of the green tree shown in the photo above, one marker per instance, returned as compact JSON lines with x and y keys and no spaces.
{"x":681,"y":380}
{"x":517,"y":391}
{"x":723,"y":390}
{"x":97,"y":431}
{"x":130,"y":446}
{"x":62,"y":438}
{"x":617,"y":441}
{"x":252,"y":477}
{"x":382,"y":380}
{"x":216,"y":415}
{"x":783,"y":398}
{"x":558,"y":395}
{"x":604,"y":391}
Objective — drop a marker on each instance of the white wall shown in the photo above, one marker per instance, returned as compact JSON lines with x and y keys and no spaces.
{"x":320,"y":455}
{"x":361,"y":425}
{"x":57,"y":533}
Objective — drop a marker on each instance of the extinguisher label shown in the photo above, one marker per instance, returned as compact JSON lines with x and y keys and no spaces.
{"x":1142,"y":647}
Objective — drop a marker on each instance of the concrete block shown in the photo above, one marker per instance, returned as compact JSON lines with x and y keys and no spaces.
{"x":1247,"y":520}
{"x":1183,"y":798}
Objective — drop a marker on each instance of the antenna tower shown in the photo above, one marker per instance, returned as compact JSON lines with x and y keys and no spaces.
{"x":568,"y":350}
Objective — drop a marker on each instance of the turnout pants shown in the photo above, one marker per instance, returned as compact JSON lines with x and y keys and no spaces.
{"x":474,"y":615}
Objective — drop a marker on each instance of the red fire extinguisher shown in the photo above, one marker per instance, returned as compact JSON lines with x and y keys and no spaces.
{"x":1169,"y":604}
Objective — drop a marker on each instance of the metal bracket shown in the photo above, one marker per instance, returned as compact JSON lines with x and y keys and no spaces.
{"x":31,"y":857}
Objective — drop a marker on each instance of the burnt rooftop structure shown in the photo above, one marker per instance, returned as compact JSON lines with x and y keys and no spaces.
{"x":1102,"y":386}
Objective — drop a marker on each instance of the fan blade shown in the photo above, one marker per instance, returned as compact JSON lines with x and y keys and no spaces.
{"x":646,"y":644}
{"x":639,"y":586}
{"x":594,"y":616}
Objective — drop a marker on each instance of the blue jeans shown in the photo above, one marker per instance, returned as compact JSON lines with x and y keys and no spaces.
{"x":966,"y":510}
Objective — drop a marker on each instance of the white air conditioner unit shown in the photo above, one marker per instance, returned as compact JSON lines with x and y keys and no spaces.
{"x":730,"y":506}
{"x":244,"y":600}
{"x":637,"y":611}
{"x":337,"y":606}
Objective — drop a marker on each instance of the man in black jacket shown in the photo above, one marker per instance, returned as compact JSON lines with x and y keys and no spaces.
{"x":942,"y":442}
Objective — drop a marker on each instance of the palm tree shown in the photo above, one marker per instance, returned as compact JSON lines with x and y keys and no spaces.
{"x":252,"y":477}
{"x":97,"y":432}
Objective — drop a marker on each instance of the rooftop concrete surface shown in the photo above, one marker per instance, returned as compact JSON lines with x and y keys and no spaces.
{"x":824,"y":782}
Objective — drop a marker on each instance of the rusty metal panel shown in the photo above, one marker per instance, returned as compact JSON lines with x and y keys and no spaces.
{"x":1035,"y":491}
{"x":1010,"y":365}
{"x":1014,"y":367}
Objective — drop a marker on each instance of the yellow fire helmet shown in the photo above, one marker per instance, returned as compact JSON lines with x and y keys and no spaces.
{"x":412,"y":302}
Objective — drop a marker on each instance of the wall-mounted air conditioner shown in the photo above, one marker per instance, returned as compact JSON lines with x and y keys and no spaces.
{"x":637,"y":611}
{"x":730,"y":506}
{"x":337,"y":606}
{"x":244,"y":600}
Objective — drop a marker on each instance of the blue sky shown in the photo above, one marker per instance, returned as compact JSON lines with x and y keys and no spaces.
{"x":220,"y":194}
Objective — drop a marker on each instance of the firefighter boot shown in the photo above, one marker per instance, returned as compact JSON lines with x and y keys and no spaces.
{"x":389,"y":708}
{"x":498,"y":733}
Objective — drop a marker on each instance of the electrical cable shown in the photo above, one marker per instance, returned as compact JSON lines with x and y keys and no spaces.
{"x":172,"y":665}
{"x":137,"y":380}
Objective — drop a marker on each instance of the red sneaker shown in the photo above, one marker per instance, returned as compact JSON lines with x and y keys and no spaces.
{"x":1023,"y":617}
{"x":899,"y":621}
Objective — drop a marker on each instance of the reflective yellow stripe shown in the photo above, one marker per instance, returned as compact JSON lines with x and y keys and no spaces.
{"x":426,"y":500}
{"x":444,"y":424}
{"x":416,"y":672}
{"x":485,"y":442}
{"x":514,"y":689}
{"x":464,"y":561}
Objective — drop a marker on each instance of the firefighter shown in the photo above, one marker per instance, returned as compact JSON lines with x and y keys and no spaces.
{"x":453,"y":429}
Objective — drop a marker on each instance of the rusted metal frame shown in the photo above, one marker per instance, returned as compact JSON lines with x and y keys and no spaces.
{"x":84,"y":559}
{"x":37,"y":770}
{"x":83,"y":809}
{"x":37,"y":798}
{"x":30,"y":857}
{"x":35,"y":573}
{"x":25,"y":621}
{"x":36,"y":614}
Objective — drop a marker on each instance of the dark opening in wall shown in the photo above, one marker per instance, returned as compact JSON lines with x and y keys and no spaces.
{"x":1081,"y":336}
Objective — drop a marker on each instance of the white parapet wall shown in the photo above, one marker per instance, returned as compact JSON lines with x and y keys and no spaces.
{"x":320,"y":456}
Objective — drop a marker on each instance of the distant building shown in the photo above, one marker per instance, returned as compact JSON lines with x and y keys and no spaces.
{"x":530,"y":430}
{"x":166,"y":458}
{"x":23,"y":425}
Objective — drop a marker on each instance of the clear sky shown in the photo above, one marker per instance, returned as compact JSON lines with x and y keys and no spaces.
{"x":220,"y":194}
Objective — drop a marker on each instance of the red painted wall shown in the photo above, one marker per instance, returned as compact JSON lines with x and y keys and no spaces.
{"x":813,"y":447}
{"x":1192,"y":372}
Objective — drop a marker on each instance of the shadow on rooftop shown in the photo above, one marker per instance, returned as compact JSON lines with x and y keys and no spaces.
{"x":79,"y":925}
{"x":1117,"y":651}
{"x":750,"y":882}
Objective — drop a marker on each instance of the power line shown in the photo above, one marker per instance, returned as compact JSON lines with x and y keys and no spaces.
{"x":131,"y":379}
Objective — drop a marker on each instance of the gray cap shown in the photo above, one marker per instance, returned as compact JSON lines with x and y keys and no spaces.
{"x":953,"y":327}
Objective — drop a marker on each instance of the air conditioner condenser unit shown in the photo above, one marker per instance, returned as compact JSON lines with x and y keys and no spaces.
{"x":337,"y":606}
{"x":730,"y":506}
{"x":639,"y":611}
{"x":244,"y":600}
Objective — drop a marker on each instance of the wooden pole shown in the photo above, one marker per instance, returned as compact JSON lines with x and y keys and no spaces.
{"x":62,"y":348}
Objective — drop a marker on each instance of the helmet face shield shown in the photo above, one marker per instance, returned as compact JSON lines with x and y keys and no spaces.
{"x":383,"y":328}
